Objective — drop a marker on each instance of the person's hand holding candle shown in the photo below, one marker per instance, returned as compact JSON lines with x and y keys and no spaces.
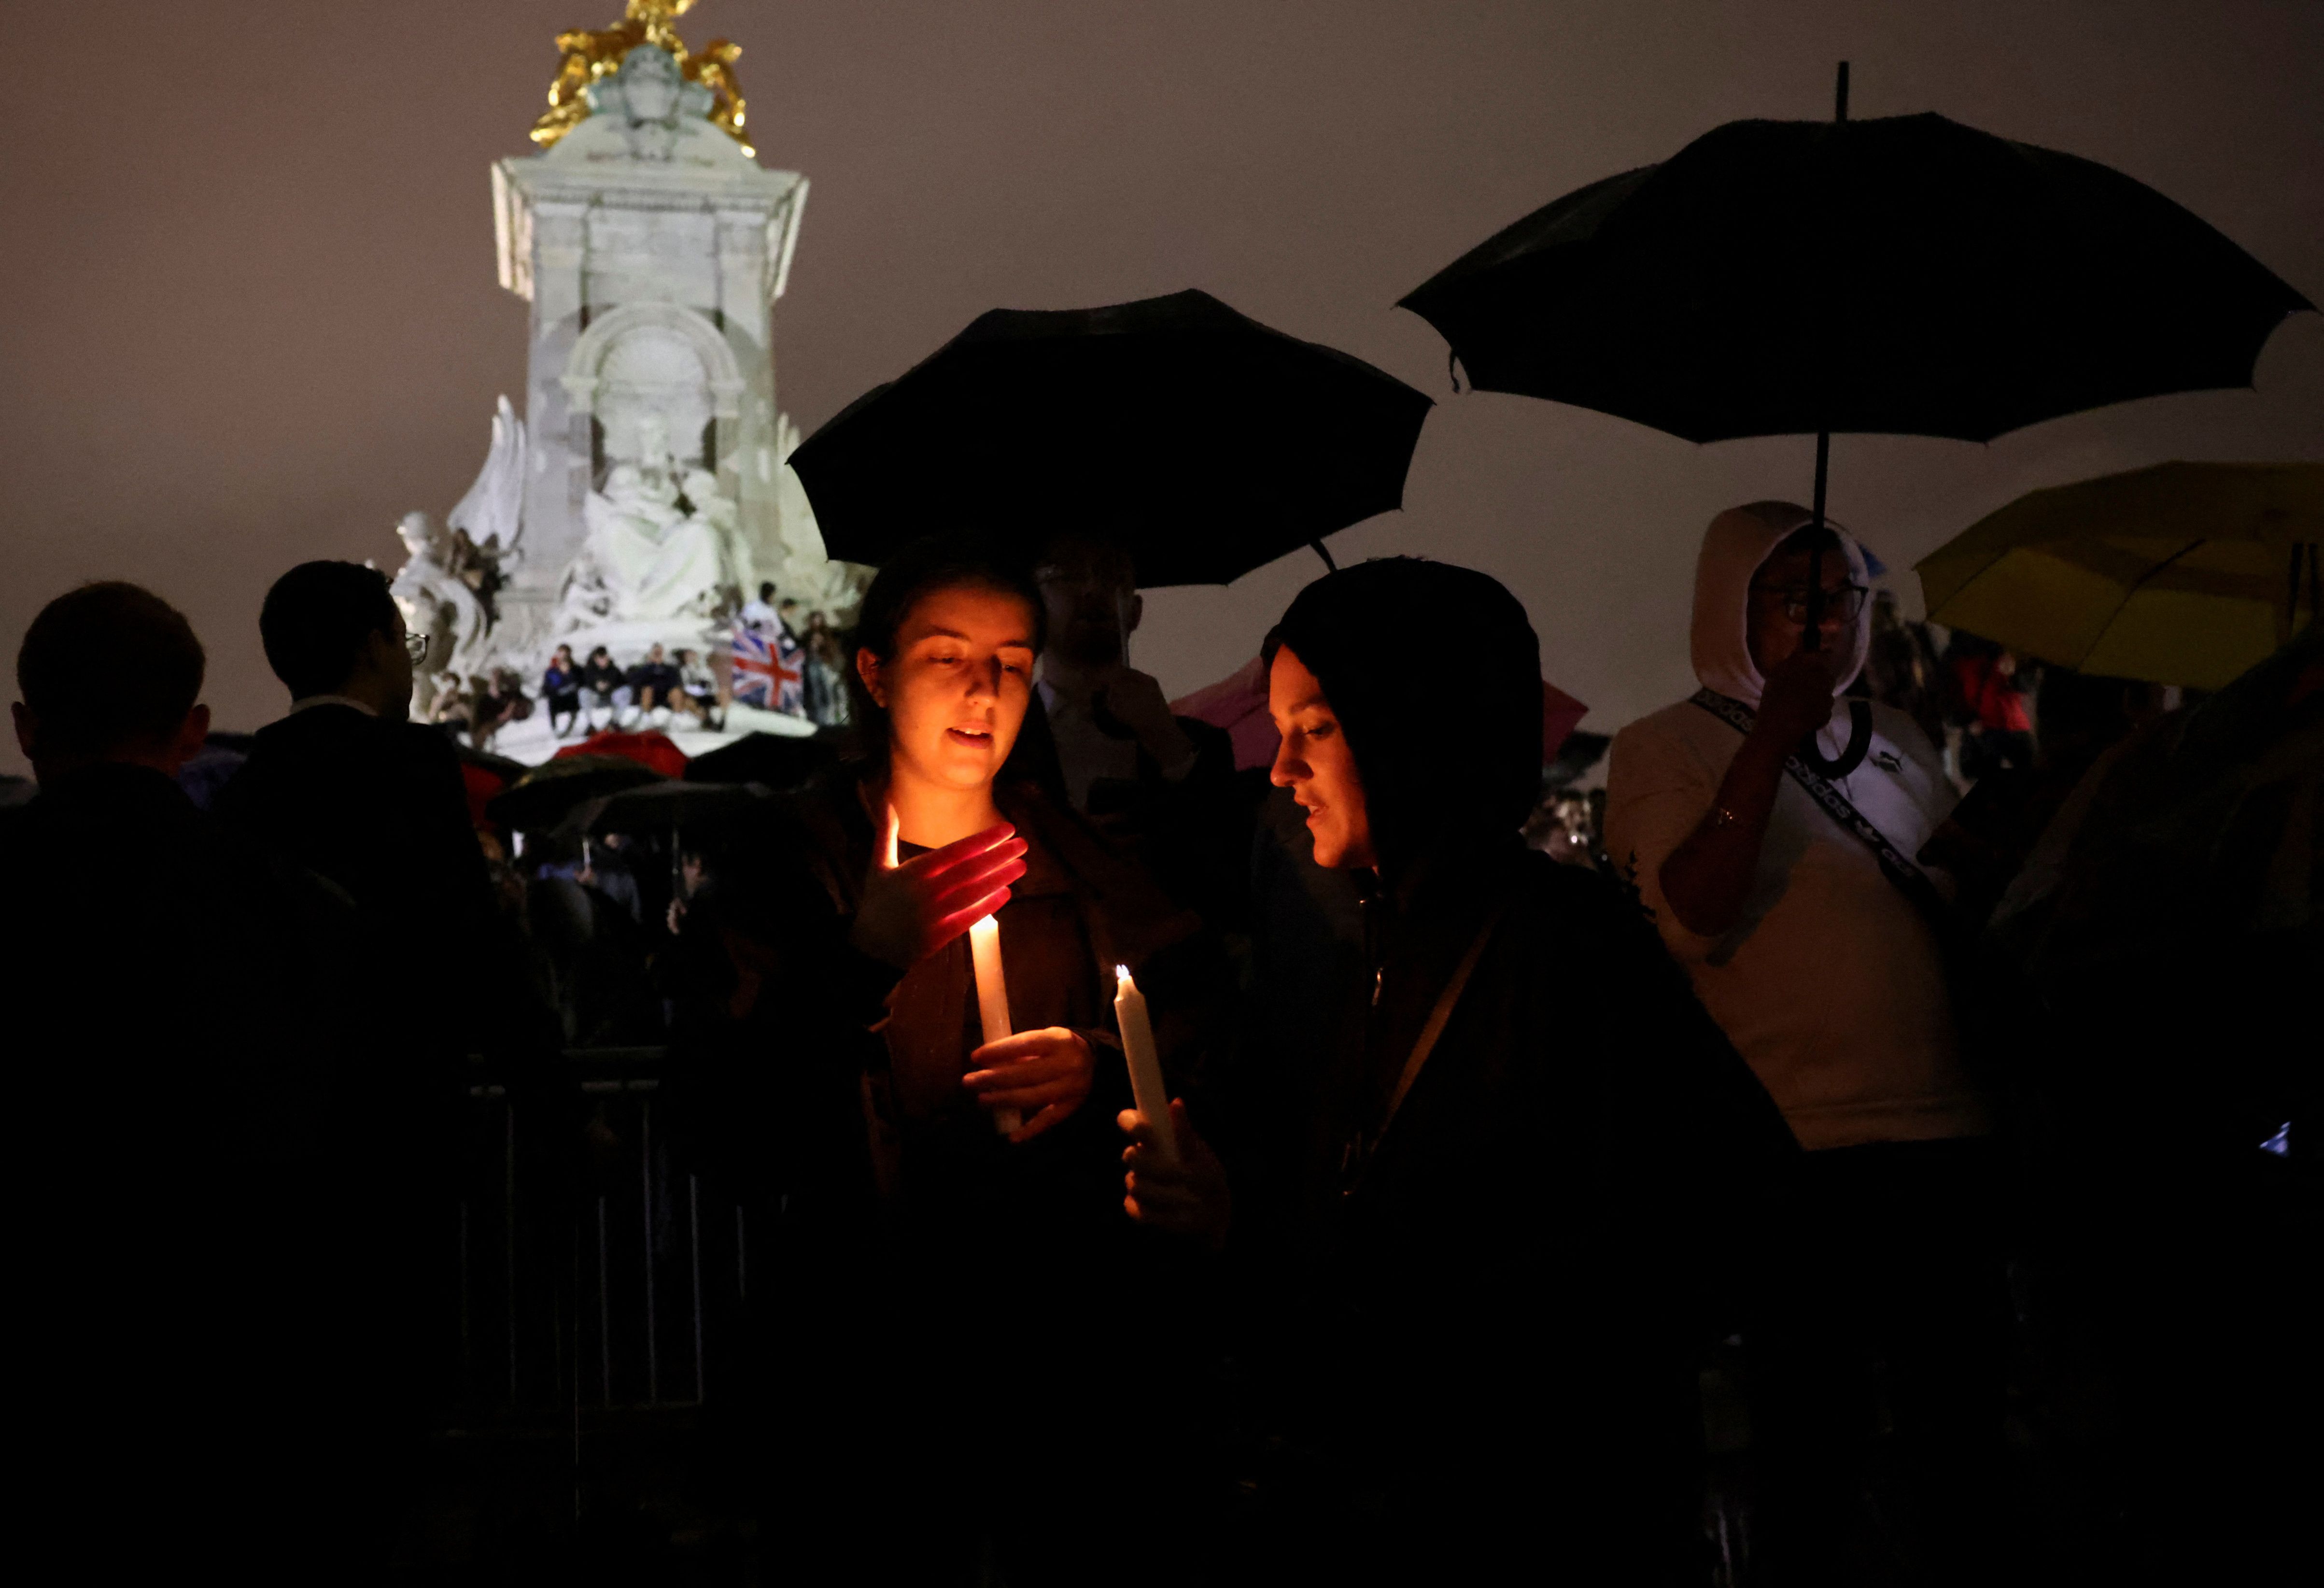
{"x":1042,"y":1075}
{"x":912,"y":908}
{"x":1186,"y":1196}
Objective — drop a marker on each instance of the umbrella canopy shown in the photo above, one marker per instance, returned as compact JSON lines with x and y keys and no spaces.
{"x":1906,"y":274}
{"x":652,"y":806}
{"x":2184,"y":573}
{"x":1206,"y":442}
{"x":551,"y":791}
{"x":777,"y":760}
{"x":655,"y":752}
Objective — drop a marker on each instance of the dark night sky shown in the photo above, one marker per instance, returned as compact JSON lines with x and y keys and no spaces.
{"x":249,"y":316}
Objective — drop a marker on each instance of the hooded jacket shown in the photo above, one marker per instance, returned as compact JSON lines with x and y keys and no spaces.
{"x":1830,"y":983}
{"x":1508,"y":1268}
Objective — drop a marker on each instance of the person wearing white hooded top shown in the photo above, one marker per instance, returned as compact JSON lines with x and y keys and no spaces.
{"x":1829,"y":978}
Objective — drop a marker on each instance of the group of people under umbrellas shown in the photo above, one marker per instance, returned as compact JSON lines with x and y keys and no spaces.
{"x":1467,"y":1156}
{"x":1489,"y":1212}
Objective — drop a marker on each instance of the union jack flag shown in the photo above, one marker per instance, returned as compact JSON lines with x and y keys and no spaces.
{"x":768,"y":671}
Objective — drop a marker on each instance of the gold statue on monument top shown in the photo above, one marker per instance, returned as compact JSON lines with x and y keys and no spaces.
{"x":591,"y":53}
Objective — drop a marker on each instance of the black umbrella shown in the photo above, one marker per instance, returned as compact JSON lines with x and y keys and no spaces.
{"x":551,"y":791}
{"x":655,"y":805}
{"x":1907,"y":275}
{"x":1206,"y":442}
{"x":779,"y":761}
{"x":671,"y":805}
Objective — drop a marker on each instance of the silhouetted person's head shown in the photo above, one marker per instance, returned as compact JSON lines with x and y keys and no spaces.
{"x":765,"y":590}
{"x":109,"y":673}
{"x":1089,"y":585}
{"x":331,"y":628}
{"x":1391,"y":759}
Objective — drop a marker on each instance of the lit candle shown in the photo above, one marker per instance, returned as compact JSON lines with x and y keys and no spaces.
{"x":991,"y":998}
{"x":1144,"y":1069}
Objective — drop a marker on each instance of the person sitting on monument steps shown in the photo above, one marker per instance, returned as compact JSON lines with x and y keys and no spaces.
{"x":560,"y":691}
{"x":697,"y":690}
{"x":1506,"y":1193}
{"x":183,"y":1072}
{"x":655,"y":683}
{"x":1795,"y":901}
{"x":836,"y":1064}
{"x":603,"y":688}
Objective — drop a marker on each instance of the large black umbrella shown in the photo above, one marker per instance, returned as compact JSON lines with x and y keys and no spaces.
{"x":1906,"y":275}
{"x":777,"y":761}
{"x":551,"y":792}
{"x":1203,"y":440}
{"x":672,"y":805}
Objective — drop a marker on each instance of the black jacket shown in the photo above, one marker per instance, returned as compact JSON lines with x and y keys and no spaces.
{"x":184,"y":1071}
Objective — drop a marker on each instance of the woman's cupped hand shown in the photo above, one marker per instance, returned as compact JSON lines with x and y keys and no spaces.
{"x":912,"y":908}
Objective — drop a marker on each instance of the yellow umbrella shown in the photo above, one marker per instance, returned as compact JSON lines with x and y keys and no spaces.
{"x":2184,"y":573}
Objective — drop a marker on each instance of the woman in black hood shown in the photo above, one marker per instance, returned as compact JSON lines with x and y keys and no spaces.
{"x":1511,"y":1177}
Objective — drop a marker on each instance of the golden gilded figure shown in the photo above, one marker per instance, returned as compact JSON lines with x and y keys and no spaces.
{"x":591,"y":53}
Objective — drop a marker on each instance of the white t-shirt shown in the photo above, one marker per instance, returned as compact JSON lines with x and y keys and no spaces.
{"x":1831,"y":985}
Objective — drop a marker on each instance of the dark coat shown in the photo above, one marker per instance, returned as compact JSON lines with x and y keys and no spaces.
{"x":942,"y":1303}
{"x":1506,"y":1282}
{"x":1537,"y":1240}
{"x":379,"y":809}
{"x":789,"y":1089}
{"x":184,"y":1071}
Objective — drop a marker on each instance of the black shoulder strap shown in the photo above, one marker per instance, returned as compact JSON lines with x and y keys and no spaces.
{"x":1895,"y":863}
{"x":1359,"y":1154}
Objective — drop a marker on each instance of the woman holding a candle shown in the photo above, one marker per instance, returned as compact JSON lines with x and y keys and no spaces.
{"x":1510,"y":1175}
{"x":957,"y":1183}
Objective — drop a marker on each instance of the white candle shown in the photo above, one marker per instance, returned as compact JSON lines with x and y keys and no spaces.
{"x":1145,"y":1068}
{"x":991,"y":998}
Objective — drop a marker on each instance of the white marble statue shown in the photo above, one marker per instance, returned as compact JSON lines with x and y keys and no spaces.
{"x":493,"y":510}
{"x":437,"y":602}
{"x":657,"y":546}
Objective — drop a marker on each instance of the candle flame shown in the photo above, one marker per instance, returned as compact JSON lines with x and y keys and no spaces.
{"x":1122,"y":971}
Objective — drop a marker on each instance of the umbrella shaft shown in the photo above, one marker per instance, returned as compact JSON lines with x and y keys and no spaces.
{"x":1814,"y":639}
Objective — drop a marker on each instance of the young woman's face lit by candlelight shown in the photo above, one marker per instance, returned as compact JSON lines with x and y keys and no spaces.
{"x":957,"y":688}
{"x":1316,"y":765}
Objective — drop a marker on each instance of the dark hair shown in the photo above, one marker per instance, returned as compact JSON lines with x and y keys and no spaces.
{"x":932,"y":563}
{"x":597,"y":651}
{"x":1450,"y":751}
{"x":108,"y":666}
{"x":766,"y":589}
{"x":316,"y":619}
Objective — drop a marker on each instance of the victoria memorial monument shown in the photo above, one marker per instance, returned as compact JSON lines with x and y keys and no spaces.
{"x":644,"y":492}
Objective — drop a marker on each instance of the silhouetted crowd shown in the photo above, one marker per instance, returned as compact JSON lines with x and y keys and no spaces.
{"x":1939,"y":1122}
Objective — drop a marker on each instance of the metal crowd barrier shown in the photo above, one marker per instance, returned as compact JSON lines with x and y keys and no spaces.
{"x":607,"y":1279}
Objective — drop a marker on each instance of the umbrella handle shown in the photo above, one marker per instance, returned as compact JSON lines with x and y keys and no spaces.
{"x":1859,"y":744}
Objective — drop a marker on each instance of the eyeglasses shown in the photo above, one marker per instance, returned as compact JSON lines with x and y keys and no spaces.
{"x":1841,"y":604}
{"x":415,"y":646}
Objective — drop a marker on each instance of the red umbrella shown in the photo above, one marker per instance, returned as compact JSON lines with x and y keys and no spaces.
{"x":1238,"y":703}
{"x":648,"y":750}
